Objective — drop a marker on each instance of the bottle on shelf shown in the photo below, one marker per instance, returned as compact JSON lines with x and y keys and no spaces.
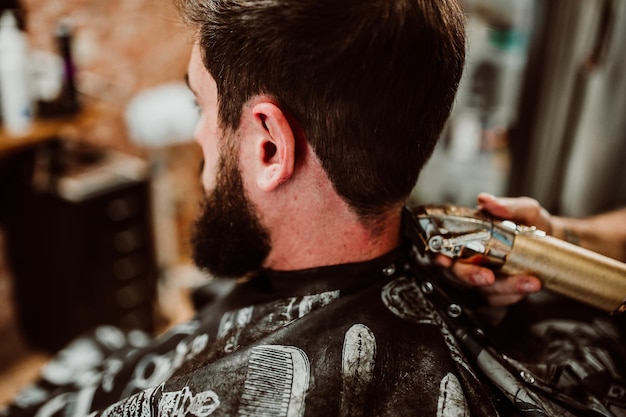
{"x":16,"y":101}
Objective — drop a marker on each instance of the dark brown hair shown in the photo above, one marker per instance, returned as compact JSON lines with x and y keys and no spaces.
{"x":369,"y":82}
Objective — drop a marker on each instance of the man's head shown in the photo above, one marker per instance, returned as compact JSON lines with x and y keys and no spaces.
{"x":369,"y":83}
{"x":346,"y":96}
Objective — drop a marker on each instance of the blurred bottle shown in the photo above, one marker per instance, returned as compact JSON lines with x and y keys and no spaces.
{"x":17,"y":108}
{"x":66,"y":101}
{"x":18,"y":12}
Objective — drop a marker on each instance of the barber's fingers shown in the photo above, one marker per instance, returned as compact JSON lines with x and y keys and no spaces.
{"x":497,"y":291}
{"x":510,"y":289}
{"x":469,"y":273}
{"x":486,"y":280}
{"x":523,"y":210}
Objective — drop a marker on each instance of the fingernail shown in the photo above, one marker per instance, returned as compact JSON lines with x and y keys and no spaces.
{"x":529,"y":286}
{"x":479,"y":278}
{"x":485,"y":196}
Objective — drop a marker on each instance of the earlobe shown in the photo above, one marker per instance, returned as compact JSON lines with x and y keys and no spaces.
{"x":276,"y":147}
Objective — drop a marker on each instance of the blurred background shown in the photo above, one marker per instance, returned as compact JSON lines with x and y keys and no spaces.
{"x":540,"y":108}
{"x":98,"y":174}
{"x":99,"y":177}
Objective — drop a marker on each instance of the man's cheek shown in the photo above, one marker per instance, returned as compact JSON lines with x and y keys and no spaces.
{"x":209,"y":172}
{"x":208,"y":181}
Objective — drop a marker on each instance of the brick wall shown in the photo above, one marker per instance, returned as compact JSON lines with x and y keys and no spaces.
{"x":120,"y":47}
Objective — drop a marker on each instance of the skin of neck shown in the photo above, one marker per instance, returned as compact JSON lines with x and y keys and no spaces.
{"x":310,"y":225}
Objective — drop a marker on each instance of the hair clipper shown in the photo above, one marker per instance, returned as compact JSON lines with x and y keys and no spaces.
{"x":471,"y":236}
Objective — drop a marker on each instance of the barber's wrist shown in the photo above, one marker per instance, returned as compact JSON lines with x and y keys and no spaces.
{"x":562,"y":229}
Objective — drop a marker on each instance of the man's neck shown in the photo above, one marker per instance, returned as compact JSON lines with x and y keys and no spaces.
{"x":334,"y":237}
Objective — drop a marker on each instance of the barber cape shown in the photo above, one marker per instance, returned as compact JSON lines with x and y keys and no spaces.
{"x":379,"y":338}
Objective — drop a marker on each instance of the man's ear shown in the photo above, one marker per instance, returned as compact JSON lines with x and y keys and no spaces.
{"x":275,"y":147}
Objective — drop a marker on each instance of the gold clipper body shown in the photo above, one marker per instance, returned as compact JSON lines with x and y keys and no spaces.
{"x":471,"y":236}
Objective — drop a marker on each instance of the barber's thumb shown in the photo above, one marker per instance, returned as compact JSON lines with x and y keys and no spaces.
{"x":496,"y":206}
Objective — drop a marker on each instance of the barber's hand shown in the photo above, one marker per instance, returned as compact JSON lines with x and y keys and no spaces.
{"x":506,"y":289}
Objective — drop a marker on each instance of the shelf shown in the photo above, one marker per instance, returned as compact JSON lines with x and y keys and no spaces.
{"x":42,"y":130}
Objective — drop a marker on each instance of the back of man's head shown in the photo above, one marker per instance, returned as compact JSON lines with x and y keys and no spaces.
{"x":370,"y":83}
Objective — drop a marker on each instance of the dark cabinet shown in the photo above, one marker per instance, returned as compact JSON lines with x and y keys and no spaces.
{"x":83,"y":257}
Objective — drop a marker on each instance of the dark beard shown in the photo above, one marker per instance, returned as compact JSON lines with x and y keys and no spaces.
{"x":228,"y":239}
